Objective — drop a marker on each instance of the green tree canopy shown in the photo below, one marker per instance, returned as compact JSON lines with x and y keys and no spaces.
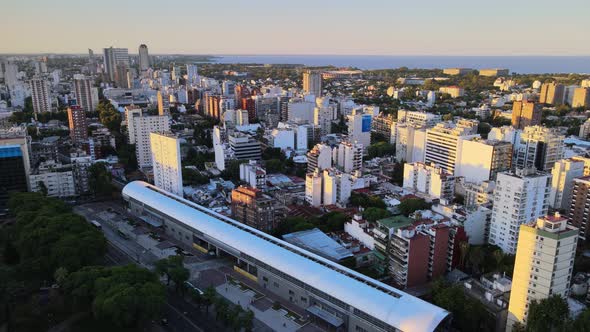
{"x":123,"y":295}
{"x":373,"y":214}
{"x":100,"y":179}
{"x":410,"y":205}
{"x":548,"y":314}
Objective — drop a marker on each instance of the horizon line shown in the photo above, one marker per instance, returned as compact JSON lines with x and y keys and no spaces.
{"x":311,"y":54}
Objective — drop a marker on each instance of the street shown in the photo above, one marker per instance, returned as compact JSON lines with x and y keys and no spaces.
{"x":181,"y":315}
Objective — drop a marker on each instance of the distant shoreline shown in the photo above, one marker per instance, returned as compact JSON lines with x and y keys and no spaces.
{"x":521,"y":64}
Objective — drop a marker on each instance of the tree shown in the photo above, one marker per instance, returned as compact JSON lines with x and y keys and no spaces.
{"x":397,"y":176}
{"x":365,"y":201}
{"x":274,"y":166}
{"x":60,"y":275}
{"x":247,"y":320}
{"x":581,"y":323}
{"x":448,"y":117}
{"x":469,"y":314}
{"x":174,"y":270}
{"x":475,"y":258}
{"x":209,"y":296}
{"x":410,"y":205}
{"x":48,"y":236}
{"x":380,"y":149}
{"x":100,"y":179}
{"x":109,"y":116}
{"x":196,"y":297}
{"x":548,"y":314}
{"x":373,"y":214}
{"x":42,"y":188}
{"x":221,"y":309}
{"x":128,"y":295}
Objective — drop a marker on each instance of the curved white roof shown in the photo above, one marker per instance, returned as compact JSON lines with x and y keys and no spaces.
{"x":404,"y":312}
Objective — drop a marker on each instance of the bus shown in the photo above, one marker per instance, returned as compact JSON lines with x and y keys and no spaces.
{"x":96,"y":224}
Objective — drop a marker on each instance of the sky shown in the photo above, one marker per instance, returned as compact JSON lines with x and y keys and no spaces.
{"x":347,"y":27}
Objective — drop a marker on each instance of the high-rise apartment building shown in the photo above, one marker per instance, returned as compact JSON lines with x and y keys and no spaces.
{"x":359,"y":127}
{"x":40,"y":95}
{"x":11,"y":74}
{"x":430,"y":180}
{"x":253,"y":174}
{"x":323,"y":114}
{"x":563,"y":174}
{"x":327,"y":187}
{"x":122,"y":76}
{"x":253,"y":208}
{"x":162,"y":105}
{"x":543,"y":266}
{"x":444,"y":143}
{"x":481,"y":160}
{"x":15,"y":165}
{"x":112,"y":58}
{"x":312,"y":82}
{"x":144,"y":58}
{"x":192,"y":75}
{"x":585,"y":130}
{"x":519,"y":198}
{"x":320,"y":157}
{"x":581,"y":97}
{"x":385,"y":125}
{"x":348,"y":156}
{"x":166,"y":164}
{"x":84,"y":92}
{"x":579,"y":211}
{"x":552,"y":93}
{"x":410,"y":142}
{"x":78,"y":124}
{"x":139,"y":127}
{"x":421,"y":251}
{"x":539,"y":147}
{"x":525,"y":114}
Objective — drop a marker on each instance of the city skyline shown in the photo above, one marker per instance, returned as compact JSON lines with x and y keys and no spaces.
{"x":301,"y":28}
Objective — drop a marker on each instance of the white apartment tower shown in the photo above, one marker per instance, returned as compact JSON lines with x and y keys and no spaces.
{"x":444,"y":143}
{"x":430,"y":180}
{"x":41,"y":95}
{"x":563,"y":174}
{"x":543,"y":266}
{"x":312,"y":82}
{"x":519,"y":198}
{"x":167,"y":167}
{"x":320,"y":157}
{"x":139,"y":128}
{"x":348,"y":156}
{"x":323,"y":114}
{"x":359,"y":127}
{"x":327,"y":187}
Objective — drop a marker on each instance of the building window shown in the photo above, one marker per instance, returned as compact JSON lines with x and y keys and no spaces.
{"x":265,"y":279}
{"x":276,"y":284}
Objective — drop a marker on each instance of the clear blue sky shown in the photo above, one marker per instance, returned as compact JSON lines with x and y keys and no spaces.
{"x":384,"y":27}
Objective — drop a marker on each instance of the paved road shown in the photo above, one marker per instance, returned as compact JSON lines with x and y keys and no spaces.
{"x":121,"y":252}
{"x":128,"y":246}
{"x":178,"y":321}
